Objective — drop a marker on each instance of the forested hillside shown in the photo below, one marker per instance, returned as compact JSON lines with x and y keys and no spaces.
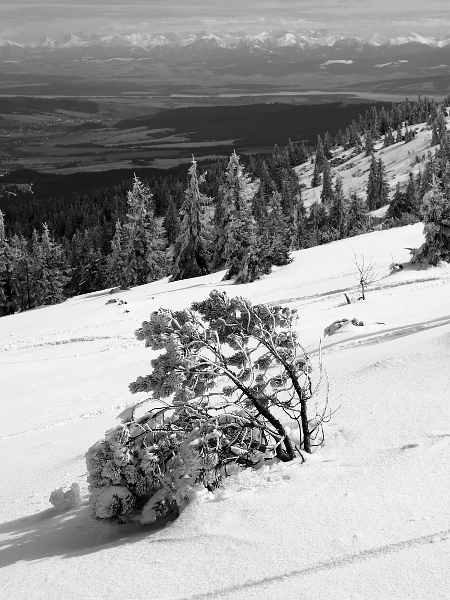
{"x":245,"y":214}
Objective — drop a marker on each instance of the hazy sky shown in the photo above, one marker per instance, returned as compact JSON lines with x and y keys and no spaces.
{"x":29,"y":20}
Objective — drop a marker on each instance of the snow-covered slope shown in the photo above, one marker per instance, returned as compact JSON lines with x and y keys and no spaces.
{"x":399,"y":159}
{"x":367,"y":516}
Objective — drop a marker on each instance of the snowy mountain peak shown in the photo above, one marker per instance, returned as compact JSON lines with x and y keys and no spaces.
{"x":204,"y":41}
{"x":9,"y":43}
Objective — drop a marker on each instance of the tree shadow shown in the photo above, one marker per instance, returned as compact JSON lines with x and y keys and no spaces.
{"x":66,"y":534}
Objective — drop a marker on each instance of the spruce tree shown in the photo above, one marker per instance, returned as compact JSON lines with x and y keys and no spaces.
{"x":171,"y":220}
{"x":372,"y":184}
{"x":241,"y":248}
{"x":327,"y":146}
{"x":316,"y":178}
{"x":388,"y":139}
{"x":278,"y":230}
{"x":377,"y":185}
{"x":222,"y":218}
{"x":338,"y":209}
{"x":320,"y":158}
{"x":353,"y":137}
{"x":326,"y":194}
{"x":190,"y":250}
{"x":369,"y":144}
{"x":144,"y":241}
{"x":290,"y":189}
{"x":24,"y":287}
{"x":398,"y":206}
{"x":412,"y":196}
{"x":383,"y":195}
{"x":436,"y":217}
{"x":317,"y":222}
{"x":292,"y":154}
{"x":260,"y":209}
{"x":266,"y":183}
{"x":116,"y":261}
{"x":6,"y":272}
{"x":91,"y":274}
{"x":49,"y":269}
{"x":298,"y":224}
{"x":357,"y":217}
{"x":373,"y":122}
{"x":302,"y":154}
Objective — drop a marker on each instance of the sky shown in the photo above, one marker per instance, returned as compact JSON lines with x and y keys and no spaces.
{"x":30,"y":20}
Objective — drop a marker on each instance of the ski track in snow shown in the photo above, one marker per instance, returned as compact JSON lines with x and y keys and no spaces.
{"x":367,"y":339}
{"x":19,"y":347}
{"x":89,"y":415}
{"x":338,"y":292}
{"x":335,"y":563}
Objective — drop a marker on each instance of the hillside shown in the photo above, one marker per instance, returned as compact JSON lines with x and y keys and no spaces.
{"x":365,"y":517}
{"x":399,"y":159}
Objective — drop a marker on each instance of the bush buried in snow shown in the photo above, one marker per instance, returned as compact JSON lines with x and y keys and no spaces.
{"x":148,"y":466}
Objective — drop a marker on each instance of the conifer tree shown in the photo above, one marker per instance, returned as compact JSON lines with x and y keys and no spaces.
{"x":278,"y":230}
{"x":222,"y":218}
{"x":383,"y":184}
{"x":49,"y":269}
{"x":338,"y":208}
{"x":316,"y":178}
{"x":377,"y":185}
{"x":320,"y":159}
{"x":436,"y":217}
{"x":398,"y":206}
{"x":388,"y":139}
{"x":294,"y":154}
{"x":373,"y":121}
{"x":116,"y":261}
{"x":327,"y":146}
{"x":372,"y":184}
{"x":407,"y":134}
{"x":298,"y":224}
{"x":357,"y":217}
{"x":190,"y":250}
{"x":171,"y":221}
{"x":317,"y":221}
{"x":326,"y":194}
{"x":241,"y":252}
{"x":143,"y":239}
{"x":412,"y":197}
{"x":266,"y":183}
{"x":260,"y":209}
{"x":444,"y":150}
{"x":439,"y":126}
{"x":18,"y":285}
{"x":302,"y":154}
{"x":87,"y":263}
{"x":369,"y":144}
{"x":290,"y":189}
{"x":384,"y":121}
{"x":6,"y":272}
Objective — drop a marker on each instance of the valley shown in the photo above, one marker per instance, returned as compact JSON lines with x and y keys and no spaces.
{"x":93,"y":104}
{"x":101,"y":134}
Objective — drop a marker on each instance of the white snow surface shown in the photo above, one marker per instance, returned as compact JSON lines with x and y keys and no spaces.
{"x":367,"y":516}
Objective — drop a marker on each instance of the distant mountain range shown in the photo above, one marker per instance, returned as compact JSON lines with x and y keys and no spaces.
{"x":311,"y":44}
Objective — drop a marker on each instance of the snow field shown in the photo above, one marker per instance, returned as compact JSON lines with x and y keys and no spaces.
{"x":366,"y":516}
